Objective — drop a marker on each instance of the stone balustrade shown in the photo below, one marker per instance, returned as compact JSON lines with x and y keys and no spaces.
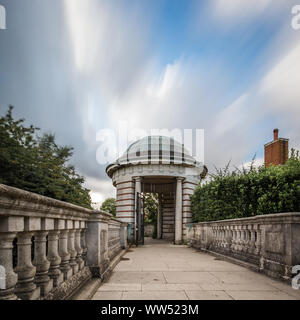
{"x":49,"y":248}
{"x":266,"y":243}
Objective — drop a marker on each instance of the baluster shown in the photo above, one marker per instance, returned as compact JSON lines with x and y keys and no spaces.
{"x":252,"y":239}
{"x":227,"y":238}
{"x":41,"y":263}
{"x":248,"y":238}
{"x":230,"y":238}
{"x":221,"y":237}
{"x":246,"y":233}
{"x":233,"y":239}
{"x":83,"y":243}
{"x":215,"y":237}
{"x":238,"y":238}
{"x":72,"y":251}
{"x":6,"y":261}
{"x":258,"y":240}
{"x":26,"y":288}
{"x":78,"y":249}
{"x":64,"y":254}
{"x":54,"y":258}
{"x":243,"y":238}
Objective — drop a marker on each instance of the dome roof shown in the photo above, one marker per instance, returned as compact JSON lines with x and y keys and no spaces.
{"x":154,"y":150}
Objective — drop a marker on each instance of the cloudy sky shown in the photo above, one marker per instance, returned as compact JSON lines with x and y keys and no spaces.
{"x":230,"y":67}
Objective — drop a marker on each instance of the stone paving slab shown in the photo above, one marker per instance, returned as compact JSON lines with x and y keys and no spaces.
{"x":208,"y":295}
{"x":260,"y":295}
{"x":155,"y":295}
{"x":109,"y":295}
{"x":162,"y":271}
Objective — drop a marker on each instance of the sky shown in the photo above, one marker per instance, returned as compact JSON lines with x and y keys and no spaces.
{"x":230,"y":67}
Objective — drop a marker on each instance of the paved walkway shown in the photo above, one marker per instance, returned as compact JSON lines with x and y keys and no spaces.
{"x":162,"y":271}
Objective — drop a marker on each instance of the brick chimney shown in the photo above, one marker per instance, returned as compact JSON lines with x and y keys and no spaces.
{"x":276,"y":151}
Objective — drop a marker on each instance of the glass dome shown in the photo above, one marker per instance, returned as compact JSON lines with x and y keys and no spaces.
{"x":154,"y":150}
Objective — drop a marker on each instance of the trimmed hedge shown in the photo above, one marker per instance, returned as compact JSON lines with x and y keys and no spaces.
{"x":245,"y":193}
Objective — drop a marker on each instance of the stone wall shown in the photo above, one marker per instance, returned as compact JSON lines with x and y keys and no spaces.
{"x":266,"y":243}
{"x":70,"y":244}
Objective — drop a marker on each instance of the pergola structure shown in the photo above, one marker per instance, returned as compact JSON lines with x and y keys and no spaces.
{"x":162,"y":165}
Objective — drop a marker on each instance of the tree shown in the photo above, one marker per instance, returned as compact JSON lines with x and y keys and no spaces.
{"x":109,"y":205}
{"x":37,"y":164}
{"x":151,"y":207}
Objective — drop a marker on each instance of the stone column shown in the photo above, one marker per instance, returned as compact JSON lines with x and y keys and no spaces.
{"x":178,"y":211}
{"x":159,"y":218}
{"x":10,"y":278}
{"x":41,"y":263}
{"x":125,"y":210}
{"x":138,"y":189}
{"x":78,"y":249}
{"x":64,"y":254}
{"x":55,"y":260}
{"x":26,"y":288}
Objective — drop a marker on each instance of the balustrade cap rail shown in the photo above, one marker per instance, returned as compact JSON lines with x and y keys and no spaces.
{"x":289,"y":217}
{"x":103,"y":215}
{"x":17,"y":202}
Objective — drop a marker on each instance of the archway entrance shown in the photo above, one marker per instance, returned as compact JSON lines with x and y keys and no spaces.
{"x":165,"y":188}
{"x":155,"y":207}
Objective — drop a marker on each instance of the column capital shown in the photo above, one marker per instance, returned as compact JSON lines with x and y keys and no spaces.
{"x":180,"y":178}
{"x":137,"y":179}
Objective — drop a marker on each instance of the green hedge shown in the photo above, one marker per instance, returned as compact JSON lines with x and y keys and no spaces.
{"x":243,"y":193}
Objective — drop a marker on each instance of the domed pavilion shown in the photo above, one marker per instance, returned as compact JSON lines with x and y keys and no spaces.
{"x":161,"y":165}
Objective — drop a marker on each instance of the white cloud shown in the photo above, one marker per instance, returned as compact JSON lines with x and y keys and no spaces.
{"x":86,"y":31}
{"x":231,"y":117}
{"x":238,"y":9}
{"x":281,"y":85}
{"x":256,"y":163}
{"x":273,"y":100}
{"x":109,"y":46}
{"x":100,"y":189}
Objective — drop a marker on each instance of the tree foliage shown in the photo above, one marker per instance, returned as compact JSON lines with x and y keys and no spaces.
{"x":37,"y":164}
{"x":244,"y":193}
{"x":150,"y":207}
{"x":109,"y":205}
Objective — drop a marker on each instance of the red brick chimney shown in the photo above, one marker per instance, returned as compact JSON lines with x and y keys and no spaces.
{"x":276,"y":151}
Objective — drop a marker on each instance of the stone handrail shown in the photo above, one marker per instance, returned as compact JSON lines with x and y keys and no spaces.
{"x":267,"y":243}
{"x":49,"y":248}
